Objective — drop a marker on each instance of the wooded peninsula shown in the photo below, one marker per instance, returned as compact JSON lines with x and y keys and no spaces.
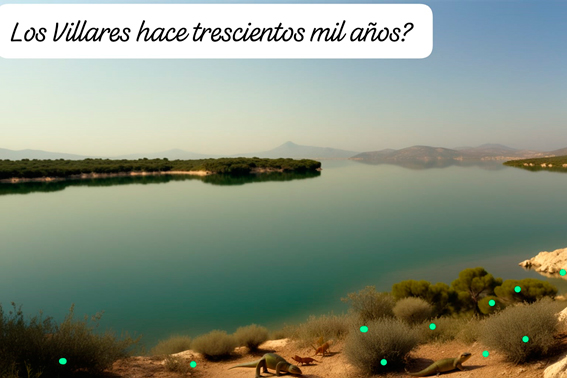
{"x":553,"y":163}
{"x":62,"y":169}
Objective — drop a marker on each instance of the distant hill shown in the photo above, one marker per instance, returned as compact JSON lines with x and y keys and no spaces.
{"x":175,"y":154}
{"x":445,"y":156}
{"x":36,"y":154}
{"x":296,"y":151}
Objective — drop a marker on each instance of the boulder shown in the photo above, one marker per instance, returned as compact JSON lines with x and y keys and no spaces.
{"x":548,"y":262}
{"x":557,"y":370}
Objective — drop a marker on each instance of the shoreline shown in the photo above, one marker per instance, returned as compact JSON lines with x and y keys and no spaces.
{"x":85,"y":176}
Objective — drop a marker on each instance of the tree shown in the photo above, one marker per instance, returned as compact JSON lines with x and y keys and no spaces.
{"x":531,"y":289}
{"x":472,"y":285}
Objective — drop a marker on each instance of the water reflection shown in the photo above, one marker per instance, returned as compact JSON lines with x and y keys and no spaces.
{"x":422,"y":164}
{"x":55,"y":186}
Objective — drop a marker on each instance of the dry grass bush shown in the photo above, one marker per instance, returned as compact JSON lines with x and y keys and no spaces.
{"x":176,"y":365}
{"x":175,"y":344}
{"x":215,"y":345}
{"x":413,"y":310}
{"x":32,"y":347}
{"x":389,"y":339}
{"x":328,"y":327}
{"x":370,"y":305}
{"x":286,"y":332}
{"x":504,"y":331}
{"x":251,"y":336}
{"x":447,"y":329}
{"x":470,"y":331}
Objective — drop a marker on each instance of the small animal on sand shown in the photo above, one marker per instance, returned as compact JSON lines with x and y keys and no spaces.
{"x":323,"y":349}
{"x":442,"y":366}
{"x":271,"y":361}
{"x":304,"y":360}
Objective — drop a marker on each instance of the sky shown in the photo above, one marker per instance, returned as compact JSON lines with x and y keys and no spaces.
{"x":497,"y":74}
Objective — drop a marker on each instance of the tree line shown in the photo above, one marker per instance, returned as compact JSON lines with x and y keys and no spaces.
{"x":62,"y":168}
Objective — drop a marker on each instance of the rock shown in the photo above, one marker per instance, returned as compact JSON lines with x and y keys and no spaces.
{"x":562,"y":316}
{"x":544,"y":165}
{"x":564,"y":165}
{"x":549,"y":263}
{"x":557,"y":370}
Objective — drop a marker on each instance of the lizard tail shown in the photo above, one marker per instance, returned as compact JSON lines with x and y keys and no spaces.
{"x":247,"y":364}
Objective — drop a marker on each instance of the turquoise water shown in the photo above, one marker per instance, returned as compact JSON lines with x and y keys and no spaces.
{"x":188,"y":256}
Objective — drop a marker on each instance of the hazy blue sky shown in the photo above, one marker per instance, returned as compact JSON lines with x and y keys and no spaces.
{"x":497,"y":74}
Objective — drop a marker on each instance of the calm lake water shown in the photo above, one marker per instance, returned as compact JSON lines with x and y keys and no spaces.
{"x":188,"y":256}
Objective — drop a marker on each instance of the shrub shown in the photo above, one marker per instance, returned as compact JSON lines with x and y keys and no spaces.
{"x":440,"y":295}
{"x":413,"y":310}
{"x":251,"y":336}
{"x":470,"y":331}
{"x":175,"y":344}
{"x":176,"y":364}
{"x":485,"y":307}
{"x":446,"y":329}
{"x":532,"y":290}
{"x":215,"y":345}
{"x":370,"y":305}
{"x":386,"y":338}
{"x":504,"y":331}
{"x":288,"y":331}
{"x":33,"y":347}
{"x":325,"y":326}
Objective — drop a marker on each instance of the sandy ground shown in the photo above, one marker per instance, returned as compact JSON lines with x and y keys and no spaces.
{"x":335,"y":365}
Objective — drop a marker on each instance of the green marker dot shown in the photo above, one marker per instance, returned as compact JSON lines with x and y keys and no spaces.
{"x":432,"y":326}
{"x":562,"y":272}
{"x":491,"y":302}
{"x":383,"y":362}
{"x":517,"y":289}
{"x":364,"y":329}
{"x":525,"y":339}
{"x":485,"y":353}
{"x":193,"y":364}
{"x":62,"y":361}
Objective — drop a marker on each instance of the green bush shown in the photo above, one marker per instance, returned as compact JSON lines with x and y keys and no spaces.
{"x":33,"y":347}
{"x":370,"y":305}
{"x":215,"y":345}
{"x":532,"y":289}
{"x":504,"y":331}
{"x":386,"y":338}
{"x":413,"y":310}
{"x":328,"y":327}
{"x":440,"y":295}
{"x":251,"y":336}
{"x":175,"y":344}
{"x":485,"y":307}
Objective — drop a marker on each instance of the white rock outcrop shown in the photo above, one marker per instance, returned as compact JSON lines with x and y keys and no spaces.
{"x":558,"y":369}
{"x":548,"y":262}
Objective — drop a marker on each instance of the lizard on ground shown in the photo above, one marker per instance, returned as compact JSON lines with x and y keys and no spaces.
{"x":444,"y":365}
{"x":271,"y":361}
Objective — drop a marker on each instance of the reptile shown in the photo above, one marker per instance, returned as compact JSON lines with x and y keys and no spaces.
{"x":271,"y":361}
{"x":444,"y":365}
{"x":304,"y":360}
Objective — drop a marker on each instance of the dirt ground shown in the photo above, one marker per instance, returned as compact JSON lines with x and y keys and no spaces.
{"x":333,"y":366}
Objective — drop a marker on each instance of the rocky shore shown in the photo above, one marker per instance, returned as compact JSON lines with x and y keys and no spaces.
{"x":548,"y":263}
